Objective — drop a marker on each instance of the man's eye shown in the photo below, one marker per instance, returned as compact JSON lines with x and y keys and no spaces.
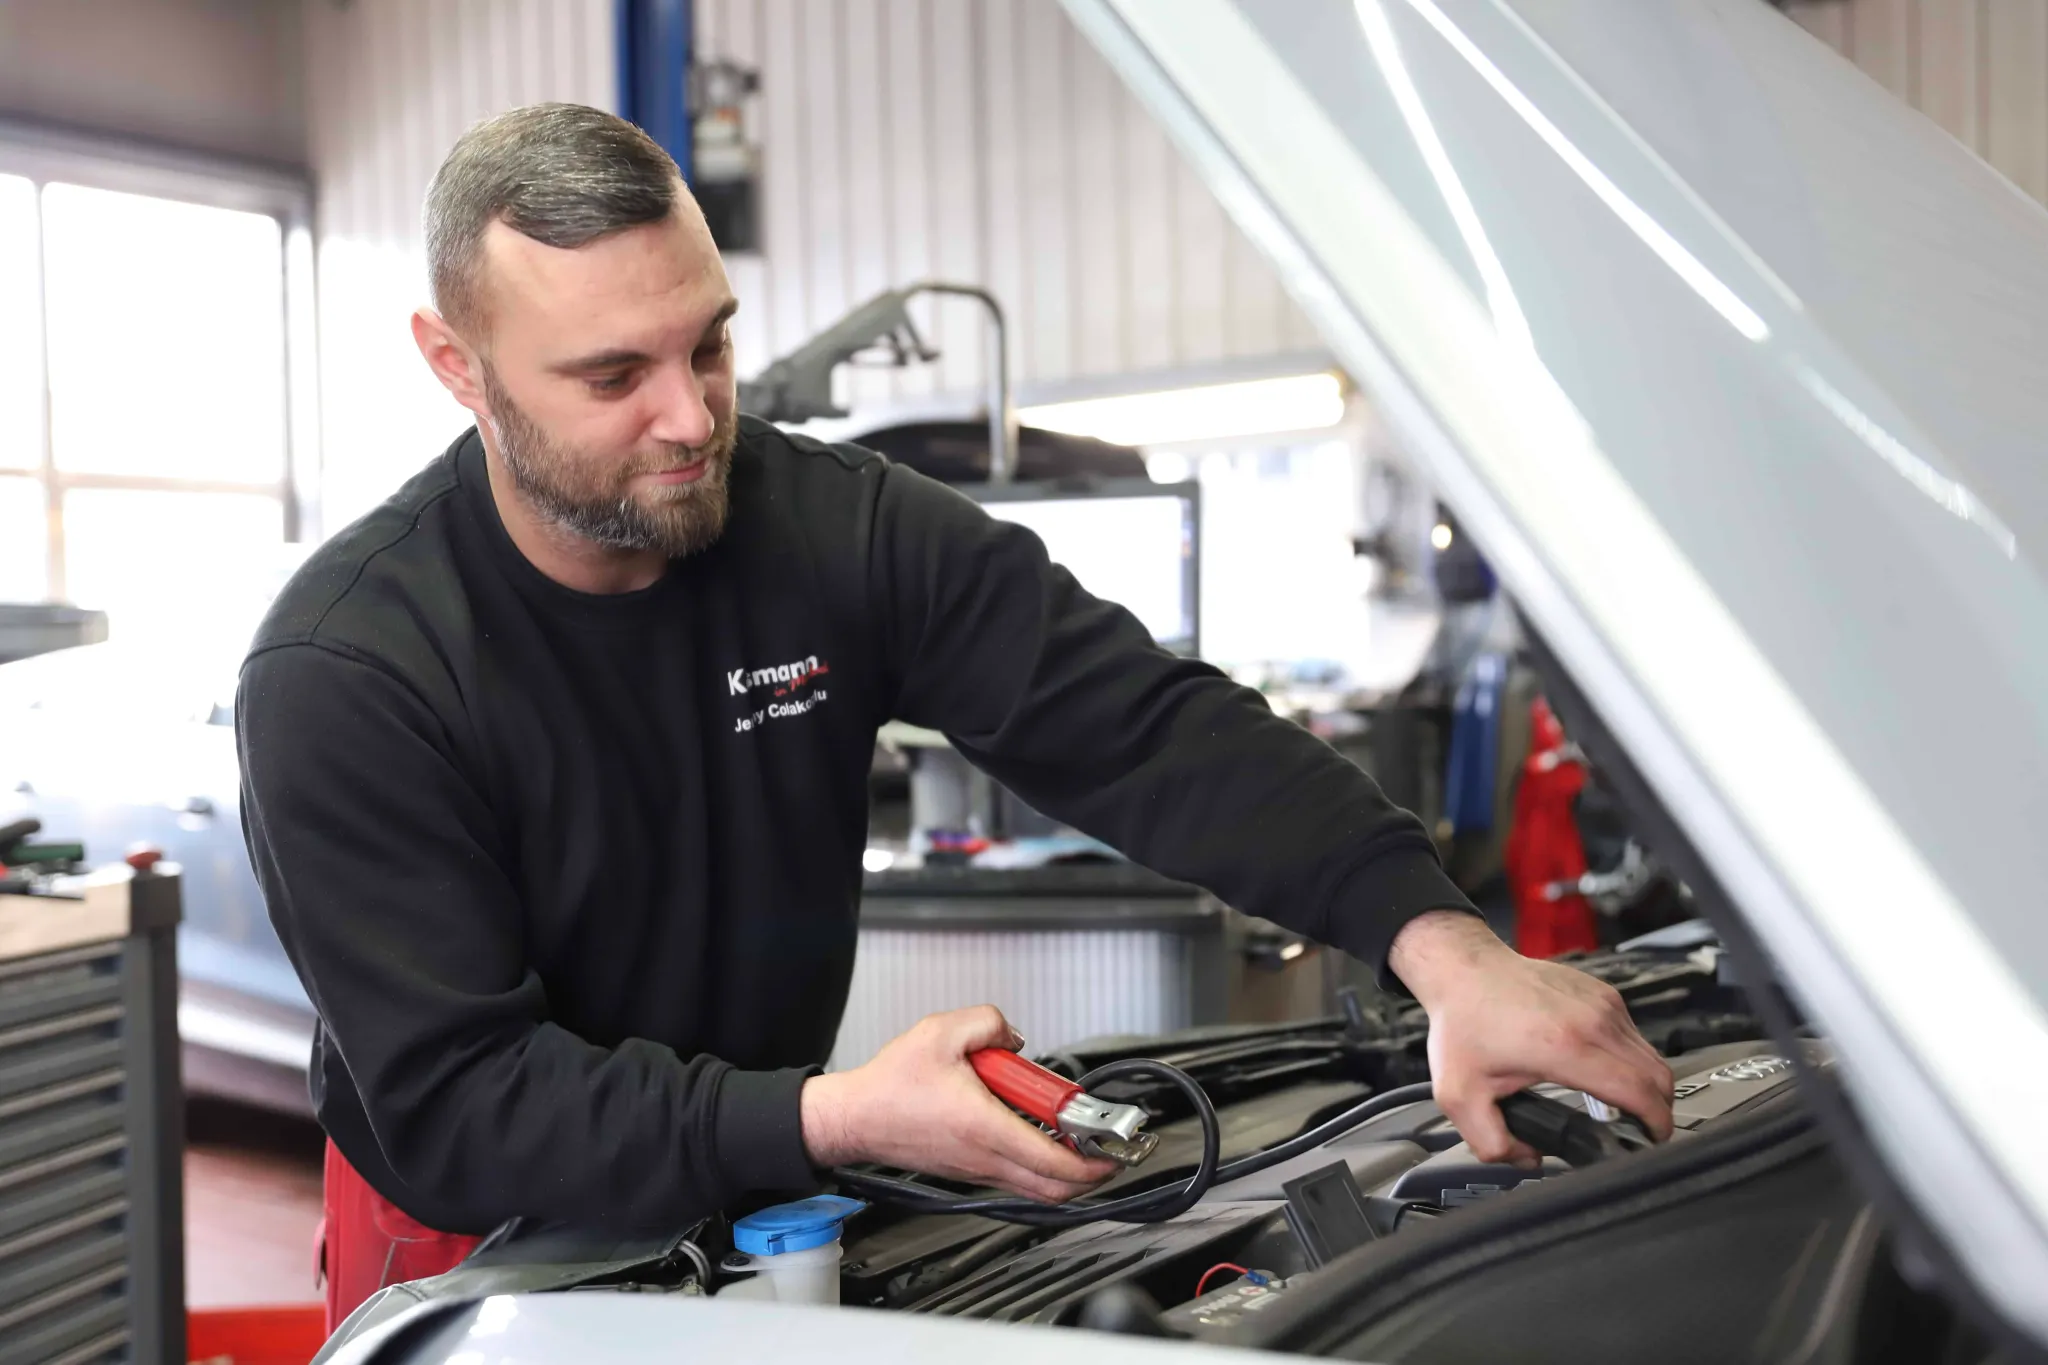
{"x":714,"y":347}
{"x":610,"y":383}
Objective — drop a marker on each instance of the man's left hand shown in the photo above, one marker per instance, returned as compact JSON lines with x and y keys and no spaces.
{"x":1500,"y":1022}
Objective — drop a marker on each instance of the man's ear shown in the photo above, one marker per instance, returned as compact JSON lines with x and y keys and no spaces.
{"x":452,"y":360}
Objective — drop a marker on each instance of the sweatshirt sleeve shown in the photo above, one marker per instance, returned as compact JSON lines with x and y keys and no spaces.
{"x":1066,"y":700}
{"x":383,"y":872}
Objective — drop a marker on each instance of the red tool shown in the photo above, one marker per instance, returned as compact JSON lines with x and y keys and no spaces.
{"x":1545,"y":857}
{"x":1092,"y":1127}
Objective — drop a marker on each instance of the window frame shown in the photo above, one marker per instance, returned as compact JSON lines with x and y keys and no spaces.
{"x":43,"y":154}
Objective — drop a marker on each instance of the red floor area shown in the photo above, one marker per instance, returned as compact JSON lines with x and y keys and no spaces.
{"x":252,"y":1202}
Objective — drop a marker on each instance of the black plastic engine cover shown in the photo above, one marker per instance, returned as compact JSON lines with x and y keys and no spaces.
{"x":1747,"y":1243}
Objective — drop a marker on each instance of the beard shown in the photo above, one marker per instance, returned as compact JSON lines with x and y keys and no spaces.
{"x":580,"y":493}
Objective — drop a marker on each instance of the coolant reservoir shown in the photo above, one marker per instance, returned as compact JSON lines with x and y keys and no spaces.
{"x":791,"y":1250}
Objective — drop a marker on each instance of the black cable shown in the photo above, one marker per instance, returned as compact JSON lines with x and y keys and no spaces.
{"x":1362,"y":1112}
{"x":1149,"y":1206}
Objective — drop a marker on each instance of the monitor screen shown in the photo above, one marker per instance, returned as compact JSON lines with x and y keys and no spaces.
{"x":1128,"y":541}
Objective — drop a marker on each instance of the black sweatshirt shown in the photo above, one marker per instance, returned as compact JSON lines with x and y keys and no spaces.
{"x":573,"y":879}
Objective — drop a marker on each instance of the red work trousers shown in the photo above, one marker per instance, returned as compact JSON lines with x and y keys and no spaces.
{"x":367,"y":1243}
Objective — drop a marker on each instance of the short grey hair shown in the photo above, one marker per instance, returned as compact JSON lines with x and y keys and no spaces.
{"x":562,"y":174}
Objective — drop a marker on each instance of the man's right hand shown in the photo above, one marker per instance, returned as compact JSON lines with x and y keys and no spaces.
{"x":919,"y":1106}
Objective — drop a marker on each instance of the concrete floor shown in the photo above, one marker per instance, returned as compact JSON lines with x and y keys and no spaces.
{"x":252,"y":1204}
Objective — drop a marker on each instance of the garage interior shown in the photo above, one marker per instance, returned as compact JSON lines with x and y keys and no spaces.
{"x":959,"y":239}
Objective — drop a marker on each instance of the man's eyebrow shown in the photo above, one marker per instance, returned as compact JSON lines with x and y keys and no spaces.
{"x":621,"y":358}
{"x":722,"y":316}
{"x":602,"y":360}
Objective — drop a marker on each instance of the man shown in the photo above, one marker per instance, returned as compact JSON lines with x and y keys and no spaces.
{"x":555,"y":767}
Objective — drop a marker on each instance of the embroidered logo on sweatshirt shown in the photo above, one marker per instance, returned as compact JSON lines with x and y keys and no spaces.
{"x":784,"y":678}
{"x":784,"y":681}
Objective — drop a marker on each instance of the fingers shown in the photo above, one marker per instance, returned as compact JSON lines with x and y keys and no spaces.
{"x":1566,"y":1027}
{"x":1480,"y":1123}
{"x":1019,"y":1158}
{"x":1640,"y":1044}
{"x":1657,"y":1116}
{"x":971,"y":1030}
{"x":1644,"y":1075}
{"x":1013,"y":1140}
{"x":1621,"y":1029}
{"x":1021,"y":1182}
{"x":967,"y":1133}
{"x":1602,"y":1052}
{"x":1030,"y":1183}
{"x":1624,"y":1080}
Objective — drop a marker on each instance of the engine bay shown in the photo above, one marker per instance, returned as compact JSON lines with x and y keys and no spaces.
{"x":1250,"y":1242}
{"x":1268,"y":1233}
{"x":1741,"y":1238}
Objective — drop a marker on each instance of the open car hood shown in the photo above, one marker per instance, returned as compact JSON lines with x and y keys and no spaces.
{"x":1737,"y":370}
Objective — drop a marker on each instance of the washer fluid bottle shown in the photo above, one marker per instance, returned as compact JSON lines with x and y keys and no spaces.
{"x":790,"y":1250}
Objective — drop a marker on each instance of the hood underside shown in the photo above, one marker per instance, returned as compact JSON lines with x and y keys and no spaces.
{"x":1734,"y":368}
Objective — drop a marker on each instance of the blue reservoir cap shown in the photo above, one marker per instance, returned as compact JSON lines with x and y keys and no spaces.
{"x":794,"y":1227}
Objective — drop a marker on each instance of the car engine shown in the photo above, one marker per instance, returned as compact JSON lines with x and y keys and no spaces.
{"x":1269,"y":1083}
{"x":1741,"y":1238}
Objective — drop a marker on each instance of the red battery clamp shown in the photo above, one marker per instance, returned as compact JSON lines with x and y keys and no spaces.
{"x":1091,"y":1126}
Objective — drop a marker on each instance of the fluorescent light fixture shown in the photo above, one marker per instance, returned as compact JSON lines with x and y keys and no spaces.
{"x":1440,"y":535}
{"x":877,"y":860}
{"x":1253,"y":407}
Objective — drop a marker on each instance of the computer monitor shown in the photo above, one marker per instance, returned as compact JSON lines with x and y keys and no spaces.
{"x":1128,"y":541}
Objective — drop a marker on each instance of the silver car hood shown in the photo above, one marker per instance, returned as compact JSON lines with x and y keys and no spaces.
{"x":662,"y":1329}
{"x":1737,"y":370}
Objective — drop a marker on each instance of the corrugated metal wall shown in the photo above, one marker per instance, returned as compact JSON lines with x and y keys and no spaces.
{"x":983,"y":141}
{"x":1055,"y":987}
{"x":975,"y":140}
{"x":390,"y":85}
{"x":1979,"y":68}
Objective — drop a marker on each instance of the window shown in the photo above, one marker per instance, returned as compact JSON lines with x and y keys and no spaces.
{"x":24,"y":540}
{"x":146,"y":382}
{"x":21,"y":324}
{"x":1280,"y":579}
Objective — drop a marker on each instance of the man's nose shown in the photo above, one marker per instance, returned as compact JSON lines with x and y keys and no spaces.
{"x":683,"y":417}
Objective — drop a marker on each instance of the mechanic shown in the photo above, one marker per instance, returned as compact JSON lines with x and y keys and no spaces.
{"x":555,"y":769}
